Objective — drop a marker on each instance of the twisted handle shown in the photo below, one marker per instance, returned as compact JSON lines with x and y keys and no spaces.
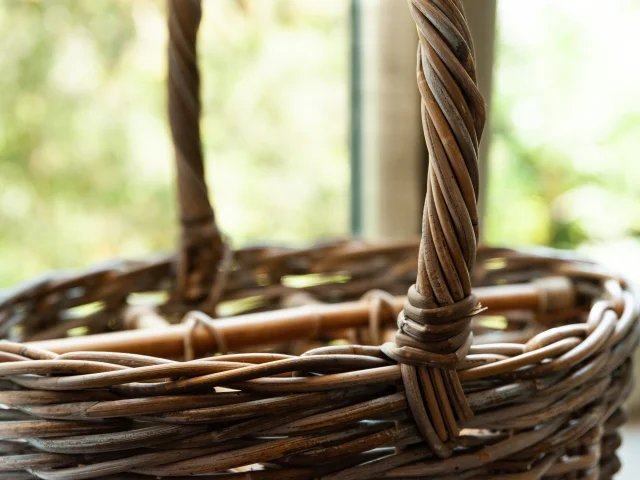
{"x":201,"y":242}
{"x":434,"y":329}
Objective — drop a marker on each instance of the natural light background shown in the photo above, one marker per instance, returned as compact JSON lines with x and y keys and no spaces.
{"x":85,"y":158}
{"x":564,"y":167}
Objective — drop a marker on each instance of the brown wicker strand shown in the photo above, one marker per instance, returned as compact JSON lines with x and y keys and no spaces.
{"x":434,"y":329}
{"x":201,"y":242}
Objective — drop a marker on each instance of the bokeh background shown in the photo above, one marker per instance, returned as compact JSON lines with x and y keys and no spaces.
{"x":85,"y":155}
{"x":85,"y":158}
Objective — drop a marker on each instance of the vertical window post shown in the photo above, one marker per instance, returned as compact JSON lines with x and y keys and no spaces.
{"x":388,"y":153}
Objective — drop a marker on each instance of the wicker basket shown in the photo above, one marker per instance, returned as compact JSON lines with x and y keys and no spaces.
{"x":523,"y":378}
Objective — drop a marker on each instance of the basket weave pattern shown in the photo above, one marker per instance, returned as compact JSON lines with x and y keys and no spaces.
{"x":522,"y":377}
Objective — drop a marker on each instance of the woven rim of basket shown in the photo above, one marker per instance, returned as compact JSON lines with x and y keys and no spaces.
{"x":548,"y":393}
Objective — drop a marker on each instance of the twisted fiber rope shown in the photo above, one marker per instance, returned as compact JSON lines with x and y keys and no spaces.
{"x":435,"y":327}
{"x":201,"y":243}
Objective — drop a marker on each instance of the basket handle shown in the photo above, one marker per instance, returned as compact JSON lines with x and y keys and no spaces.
{"x":201,"y":245}
{"x":434,"y":328}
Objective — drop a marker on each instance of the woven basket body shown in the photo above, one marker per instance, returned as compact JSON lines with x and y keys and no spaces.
{"x":277,"y":363}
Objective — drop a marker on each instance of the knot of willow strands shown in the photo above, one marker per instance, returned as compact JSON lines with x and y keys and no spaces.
{"x":192,"y":321}
{"x":380,"y":305}
{"x":434,"y":329}
{"x":201,"y":243}
{"x":438,"y":337}
{"x":221,"y":279}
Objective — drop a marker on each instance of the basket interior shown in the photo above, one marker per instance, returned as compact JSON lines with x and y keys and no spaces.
{"x":262,"y":279}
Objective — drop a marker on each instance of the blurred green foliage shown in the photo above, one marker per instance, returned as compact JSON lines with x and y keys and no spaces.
{"x":85,"y":158}
{"x":566,"y":123}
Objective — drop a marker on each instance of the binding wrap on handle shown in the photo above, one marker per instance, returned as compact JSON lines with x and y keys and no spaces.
{"x":201,"y":245}
{"x":434,"y":329}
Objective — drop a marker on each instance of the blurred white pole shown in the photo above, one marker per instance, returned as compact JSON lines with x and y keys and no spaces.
{"x":389,"y":150}
{"x":481,"y":15}
{"x":391,"y":143}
